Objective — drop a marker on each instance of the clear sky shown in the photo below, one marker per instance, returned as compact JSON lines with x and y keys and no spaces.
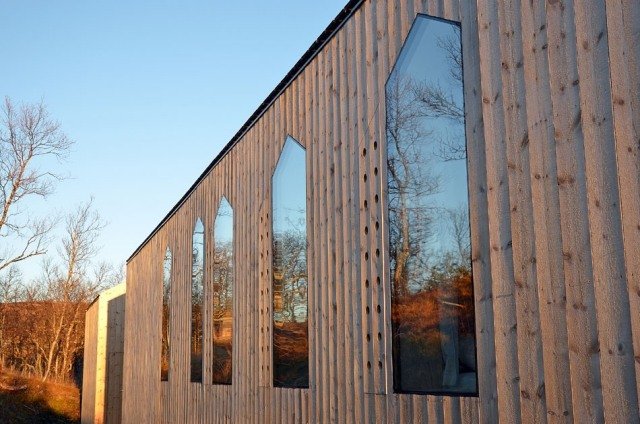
{"x":149,"y":91}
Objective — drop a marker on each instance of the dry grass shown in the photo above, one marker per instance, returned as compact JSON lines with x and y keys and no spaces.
{"x":39,"y":402}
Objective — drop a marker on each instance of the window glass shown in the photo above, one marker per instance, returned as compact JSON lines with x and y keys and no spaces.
{"x":429,"y":236}
{"x":166,"y":314}
{"x":223,"y":293}
{"x":197,"y":297}
{"x":290,"y":325}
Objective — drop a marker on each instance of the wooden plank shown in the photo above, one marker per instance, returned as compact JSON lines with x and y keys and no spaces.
{"x":531,"y":374}
{"x":89,"y":370}
{"x":479,"y":215}
{"x":499,"y":220}
{"x":619,"y":388}
{"x":623,"y":30}
{"x":546,"y":215}
{"x":581,"y":323}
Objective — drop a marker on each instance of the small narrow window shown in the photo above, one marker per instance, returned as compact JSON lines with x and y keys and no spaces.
{"x":197,"y":297}
{"x":429,"y":238}
{"x":223,"y":294}
{"x":290,"y":325}
{"x":166,"y":316}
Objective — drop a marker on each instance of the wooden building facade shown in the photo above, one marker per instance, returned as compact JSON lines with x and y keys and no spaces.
{"x":552,"y":126}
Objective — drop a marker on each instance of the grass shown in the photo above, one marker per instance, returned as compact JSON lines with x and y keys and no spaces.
{"x":38,"y":402}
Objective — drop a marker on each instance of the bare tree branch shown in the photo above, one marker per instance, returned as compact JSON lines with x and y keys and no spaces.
{"x":28,"y":137}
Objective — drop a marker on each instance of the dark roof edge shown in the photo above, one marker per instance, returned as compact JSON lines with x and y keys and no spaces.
{"x":297,"y":69}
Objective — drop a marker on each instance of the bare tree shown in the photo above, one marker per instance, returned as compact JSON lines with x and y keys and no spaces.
{"x":28,"y":137}
{"x":411,"y":180}
{"x":71,"y":283}
{"x":437,"y":101}
{"x":458,"y":223}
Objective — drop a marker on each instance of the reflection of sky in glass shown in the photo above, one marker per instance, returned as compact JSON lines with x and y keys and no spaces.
{"x":290,"y":329}
{"x":289,"y":227}
{"x":222,"y":278}
{"x":197,"y":296}
{"x":429,"y":244}
{"x":223,"y":229}
{"x":431,"y":66}
{"x":290,"y":188}
{"x":198,"y":260}
{"x":166,"y":314}
{"x":166,"y":277}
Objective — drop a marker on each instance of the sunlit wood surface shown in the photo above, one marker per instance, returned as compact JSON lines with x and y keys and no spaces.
{"x":553,"y":120}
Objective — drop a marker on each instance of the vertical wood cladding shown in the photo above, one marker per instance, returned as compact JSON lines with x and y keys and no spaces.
{"x":552,"y":123}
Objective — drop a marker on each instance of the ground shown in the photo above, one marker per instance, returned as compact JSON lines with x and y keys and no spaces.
{"x":37,"y":402}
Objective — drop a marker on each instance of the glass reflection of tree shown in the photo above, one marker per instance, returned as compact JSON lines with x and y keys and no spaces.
{"x":197,"y":297}
{"x":290,"y":272}
{"x":166,"y":309}
{"x":429,"y":240}
{"x":290,"y":325}
{"x":223,"y":294}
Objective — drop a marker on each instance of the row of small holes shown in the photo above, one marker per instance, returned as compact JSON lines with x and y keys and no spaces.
{"x":377,"y":251}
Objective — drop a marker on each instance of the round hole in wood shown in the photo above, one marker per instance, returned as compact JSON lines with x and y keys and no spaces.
{"x":376,"y":198}
{"x":367,"y":310}
{"x":364,"y":177}
{"x":366,"y":283}
{"x":375,"y":171}
{"x":364,"y":152}
{"x":375,"y":145}
{"x":368,"y":337}
{"x":378,"y":308}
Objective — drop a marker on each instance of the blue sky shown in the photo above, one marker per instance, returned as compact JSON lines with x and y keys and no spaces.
{"x":149,"y":91}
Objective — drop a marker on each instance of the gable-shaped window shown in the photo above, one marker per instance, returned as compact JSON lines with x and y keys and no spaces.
{"x":290,"y":323}
{"x":197,"y":298}
{"x":429,"y":237}
{"x":223,"y":268}
{"x":166,"y":315}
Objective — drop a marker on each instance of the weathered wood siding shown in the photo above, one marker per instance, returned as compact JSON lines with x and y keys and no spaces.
{"x":89,"y":364}
{"x":553,"y":132}
{"x":103,"y":358}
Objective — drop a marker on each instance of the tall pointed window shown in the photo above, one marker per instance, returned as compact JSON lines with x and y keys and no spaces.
{"x":166,"y":315}
{"x":197,"y":297}
{"x":290,"y":323}
{"x":429,"y":237}
{"x":222,"y":277}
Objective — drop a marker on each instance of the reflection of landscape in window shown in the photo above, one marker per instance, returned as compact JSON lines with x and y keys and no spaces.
{"x":429,"y":238}
{"x":197,"y":295}
{"x":166,"y":309}
{"x":223,"y":294}
{"x":290,"y":325}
